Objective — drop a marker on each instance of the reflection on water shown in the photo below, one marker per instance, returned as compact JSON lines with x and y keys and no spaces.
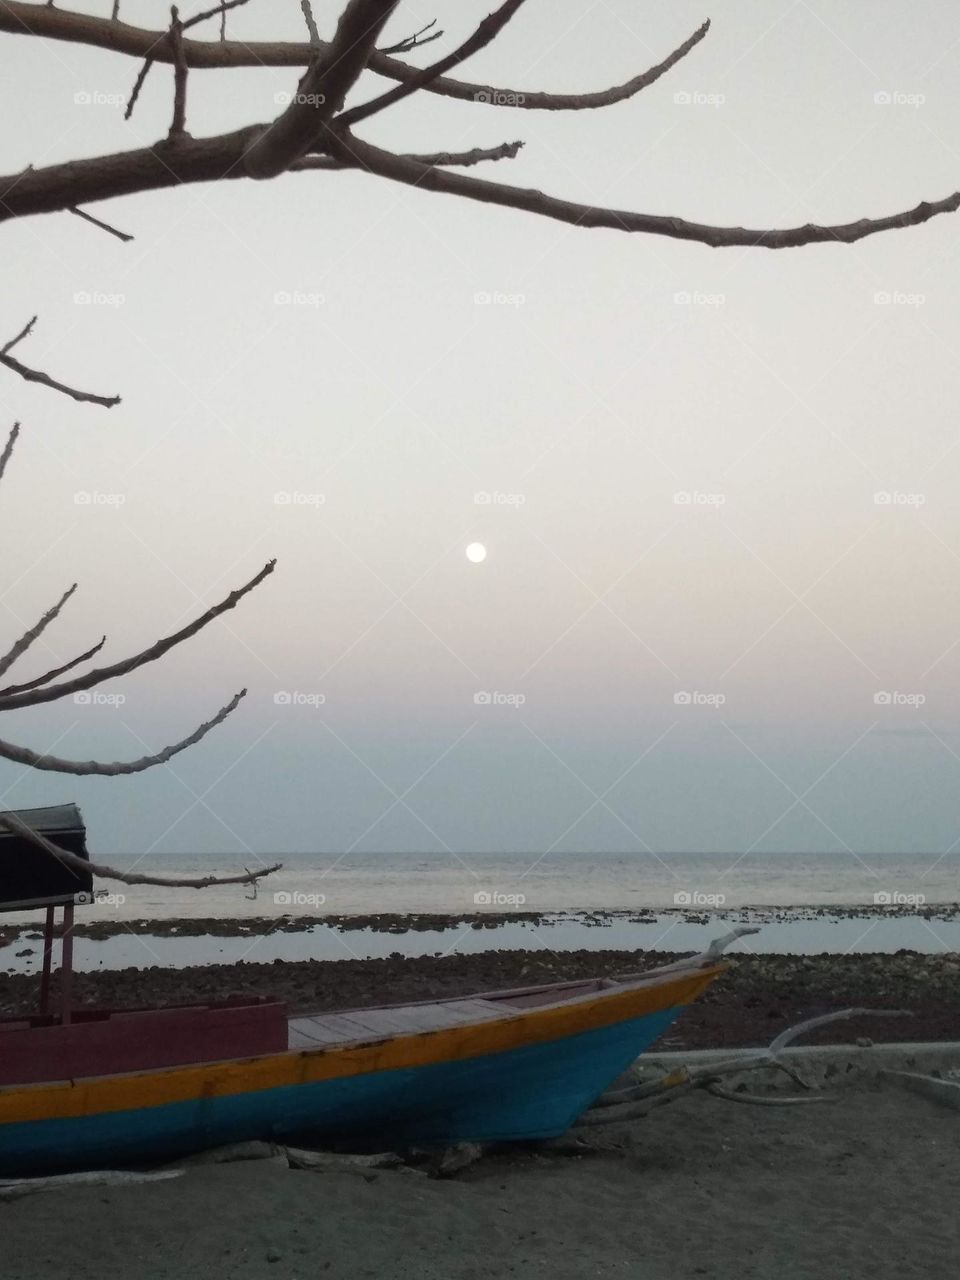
{"x":666,"y":933}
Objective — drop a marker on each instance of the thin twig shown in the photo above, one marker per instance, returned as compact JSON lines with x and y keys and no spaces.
{"x":138,"y":85}
{"x":310,"y":21}
{"x":104,"y":226}
{"x":114,"y":768}
{"x":57,"y":671}
{"x":413,"y":41}
{"x":127,"y":665}
{"x":34,"y":632}
{"x":34,"y":375}
{"x":8,"y":447}
{"x":506,"y":151}
{"x":178,"y":125}
{"x":487,"y":31}
{"x":13,"y":822}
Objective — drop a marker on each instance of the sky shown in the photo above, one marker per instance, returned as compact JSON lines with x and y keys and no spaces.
{"x":716,"y":488}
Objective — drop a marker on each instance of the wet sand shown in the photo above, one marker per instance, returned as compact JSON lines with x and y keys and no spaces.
{"x":863,"y":1188}
{"x":756,"y":999}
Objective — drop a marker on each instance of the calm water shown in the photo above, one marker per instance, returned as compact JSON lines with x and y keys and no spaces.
{"x":361,"y":883}
{"x":367,"y":883}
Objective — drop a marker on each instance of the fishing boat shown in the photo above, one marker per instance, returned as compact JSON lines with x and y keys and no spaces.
{"x":84,"y":1088}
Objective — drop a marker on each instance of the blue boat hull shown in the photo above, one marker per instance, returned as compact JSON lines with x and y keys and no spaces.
{"x":534,"y":1091}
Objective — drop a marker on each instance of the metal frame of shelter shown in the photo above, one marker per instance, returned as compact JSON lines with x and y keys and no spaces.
{"x":30,"y":879}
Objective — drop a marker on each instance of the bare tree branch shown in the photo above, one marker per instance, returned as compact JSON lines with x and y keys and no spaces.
{"x":56,"y":764}
{"x":57,"y":671}
{"x":58,"y":24}
{"x":104,"y":226}
{"x":311,"y":22}
{"x":34,"y":375}
{"x":178,"y":125}
{"x":387,"y":165}
{"x":13,"y":822}
{"x":414,"y":41}
{"x":505,"y":151}
{"x":155,"y":651}
{"x":488,"y":30}
{"x":321,"y":90}
{"x":8,"y":447}
{"x":28,"y":637}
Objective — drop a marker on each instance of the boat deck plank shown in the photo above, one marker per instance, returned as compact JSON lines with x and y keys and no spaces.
{"x":326,"y":1029}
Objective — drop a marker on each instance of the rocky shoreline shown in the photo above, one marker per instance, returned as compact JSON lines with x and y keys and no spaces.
{"x":751,"y":1003}
{"x":424,"y":922}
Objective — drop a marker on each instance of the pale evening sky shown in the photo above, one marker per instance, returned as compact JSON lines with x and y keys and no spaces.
{"x":677,"y":672}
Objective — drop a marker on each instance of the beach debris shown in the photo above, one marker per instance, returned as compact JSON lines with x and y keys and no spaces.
{"x":15,"y":1188}
{"x":636,"y":1101}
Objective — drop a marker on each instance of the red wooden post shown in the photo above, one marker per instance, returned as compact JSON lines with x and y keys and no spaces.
{"x":47,"y":957}
{"x":66,"y":963}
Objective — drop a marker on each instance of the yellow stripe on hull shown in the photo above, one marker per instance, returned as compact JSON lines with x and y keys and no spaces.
{"x":98,"y":1095}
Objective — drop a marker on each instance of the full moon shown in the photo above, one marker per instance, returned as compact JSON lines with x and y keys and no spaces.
{"x":476,"y":553}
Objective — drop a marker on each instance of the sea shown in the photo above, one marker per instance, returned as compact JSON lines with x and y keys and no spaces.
{"x":803,"y":903}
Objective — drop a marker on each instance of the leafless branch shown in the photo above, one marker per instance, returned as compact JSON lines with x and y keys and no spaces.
{"x":137,"y":86}
{"x":414,"y":41}
{"x":34,"y":632}
{"x":27,"y":19}
{"x":57,"y":671}
{"x":104,"y":226}
{"x":13,"y":822}
{"x":178,"y":125}
{"x":505,"y":151}
{"x":387,"y":165}
{"x":311,"y":22}
{"x":34,"y":375}
{"x":321,"y":91}
{"x":114,"y":768}
{"x":488,"y":30}
{"x":220,"y":9}
{"x":8,"y":447}
{"x":155,"y":651}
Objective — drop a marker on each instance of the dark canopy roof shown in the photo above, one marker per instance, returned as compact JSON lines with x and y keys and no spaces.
{"x":31,"y":878}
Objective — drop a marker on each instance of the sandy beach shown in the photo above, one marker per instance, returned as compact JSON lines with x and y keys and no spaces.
{"x":867,"y":1186}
